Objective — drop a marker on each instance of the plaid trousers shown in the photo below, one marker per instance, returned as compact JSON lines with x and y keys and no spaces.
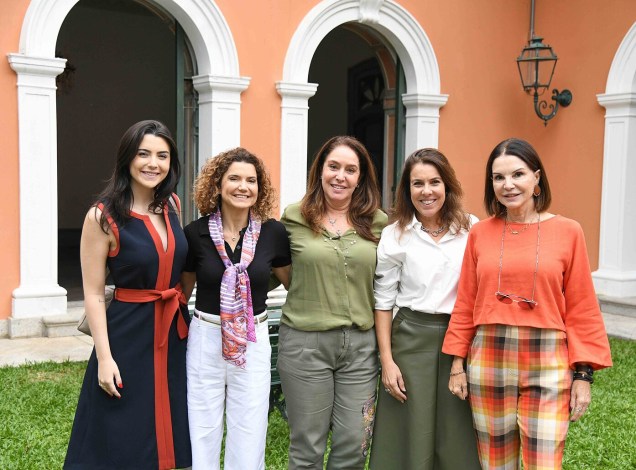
{"x":519,"y":382}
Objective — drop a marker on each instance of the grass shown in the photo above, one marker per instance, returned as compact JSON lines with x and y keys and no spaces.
{"x":37,"y":405}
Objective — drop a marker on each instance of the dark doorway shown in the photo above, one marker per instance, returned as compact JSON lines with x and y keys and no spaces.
{"x":365,"y":99}
{"x":356,"y":75}
{"x":126,"y":61}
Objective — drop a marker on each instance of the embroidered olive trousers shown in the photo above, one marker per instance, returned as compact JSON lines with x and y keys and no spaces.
{"x":329,"y":381}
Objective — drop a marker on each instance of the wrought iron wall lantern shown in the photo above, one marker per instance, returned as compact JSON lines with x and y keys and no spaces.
{"x":536,"y":67}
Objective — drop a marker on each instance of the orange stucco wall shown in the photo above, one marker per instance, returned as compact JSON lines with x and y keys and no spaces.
{"x":263,"y":60}
{"x":10,"y":24}
{"x":476,"y":49}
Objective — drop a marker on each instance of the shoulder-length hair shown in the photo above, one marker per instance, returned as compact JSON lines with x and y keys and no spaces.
{"x":452,"y":213}
{"x":365,"y":200}
{"x":524,"y":151}
{"x":207,"y":187}
{"x":117,"y":197}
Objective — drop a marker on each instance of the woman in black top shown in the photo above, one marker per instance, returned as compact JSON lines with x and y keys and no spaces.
{"x":233,"y":249}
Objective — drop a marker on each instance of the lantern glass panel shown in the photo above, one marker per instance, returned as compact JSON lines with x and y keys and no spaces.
{"x":536,"y":65}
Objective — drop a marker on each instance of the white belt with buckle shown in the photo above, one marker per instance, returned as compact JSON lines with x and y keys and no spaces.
{"x":216,"y":319}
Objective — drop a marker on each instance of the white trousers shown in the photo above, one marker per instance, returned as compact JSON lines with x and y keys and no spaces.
{"x":216,"y":386}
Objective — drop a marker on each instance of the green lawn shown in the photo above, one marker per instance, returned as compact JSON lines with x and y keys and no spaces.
{"x":37,"y":403}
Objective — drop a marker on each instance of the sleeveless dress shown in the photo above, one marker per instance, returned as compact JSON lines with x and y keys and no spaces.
{"x":148,"y":427}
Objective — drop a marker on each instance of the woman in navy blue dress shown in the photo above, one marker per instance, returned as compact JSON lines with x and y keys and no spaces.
{"x":132,"y":407}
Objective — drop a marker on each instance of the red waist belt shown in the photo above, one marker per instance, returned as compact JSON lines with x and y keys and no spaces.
{"x":168,"y":302}
{"x":167,"y":305}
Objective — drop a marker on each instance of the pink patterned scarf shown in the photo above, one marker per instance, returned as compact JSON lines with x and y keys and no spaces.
{"x":237,"y":312}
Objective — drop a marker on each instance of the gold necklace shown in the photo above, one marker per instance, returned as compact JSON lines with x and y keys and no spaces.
{"x":518,"y":231}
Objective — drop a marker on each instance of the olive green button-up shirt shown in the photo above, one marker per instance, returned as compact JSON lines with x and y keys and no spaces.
{"x":332,"y":277}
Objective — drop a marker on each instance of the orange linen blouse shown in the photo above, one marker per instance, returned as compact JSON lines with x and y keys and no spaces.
{"x":564,"y":291}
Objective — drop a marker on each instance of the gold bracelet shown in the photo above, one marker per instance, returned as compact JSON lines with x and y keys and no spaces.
{"x":452,"y":374}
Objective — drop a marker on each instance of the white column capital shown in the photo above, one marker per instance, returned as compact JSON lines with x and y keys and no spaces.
{"x":296,"y":94}
{"x":422,"y":120}
{"x":219,"y":113}
{"x":428,"y":104}
{"x":31,"y":65}
{"x":618,"y":104}
{"x":222,"y":88}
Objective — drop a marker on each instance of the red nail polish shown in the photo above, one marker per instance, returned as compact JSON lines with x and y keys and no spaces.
{"x":120,"y":385}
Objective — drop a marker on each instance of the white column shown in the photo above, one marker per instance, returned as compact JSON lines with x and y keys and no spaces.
{"x":39,"y":294}
{"x":422,"y":120}
{"x":388,"y":104}
{"x":293,"y":151}
{"x":616,"y":275}
{"x":219,"y":113}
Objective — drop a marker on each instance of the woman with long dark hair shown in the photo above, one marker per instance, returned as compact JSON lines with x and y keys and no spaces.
{"x":133,"y":229}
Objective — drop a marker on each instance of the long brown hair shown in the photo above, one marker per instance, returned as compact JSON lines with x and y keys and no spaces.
{"x":452,"y":213}
{"x":365,"y":200}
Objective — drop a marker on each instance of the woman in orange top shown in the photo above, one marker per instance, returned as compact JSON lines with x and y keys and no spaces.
{"x":526,"y":317}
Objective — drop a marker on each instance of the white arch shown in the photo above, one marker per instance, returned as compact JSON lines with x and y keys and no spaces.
{"x":616,"y":275}
{"x":422,"y":100}
{"x":218,"y":83}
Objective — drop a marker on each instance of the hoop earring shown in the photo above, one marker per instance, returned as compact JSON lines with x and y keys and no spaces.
{"x":537,"y":191}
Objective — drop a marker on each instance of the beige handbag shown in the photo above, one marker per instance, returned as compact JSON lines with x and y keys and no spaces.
{"x":82,"y":324}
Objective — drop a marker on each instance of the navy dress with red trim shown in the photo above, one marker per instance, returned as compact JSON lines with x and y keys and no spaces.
{"x":148,"y":427}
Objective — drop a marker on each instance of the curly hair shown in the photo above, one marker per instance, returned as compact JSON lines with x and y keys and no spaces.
{"x":365,"y":200}
{"x":452,"y":213}
{"x":117,"y":196}
{"x":207,"y":187}
{"x":526,"y":153}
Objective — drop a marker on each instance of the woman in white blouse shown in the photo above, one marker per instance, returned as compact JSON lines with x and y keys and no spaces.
{"x":419,"y":426}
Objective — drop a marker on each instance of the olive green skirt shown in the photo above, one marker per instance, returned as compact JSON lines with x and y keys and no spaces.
{"x":433,"y":429}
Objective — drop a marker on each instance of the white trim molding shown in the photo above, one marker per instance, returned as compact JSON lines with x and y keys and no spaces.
{"x":616,"y":274}
{"x":36,"y":66}
{"x":406,"y":37}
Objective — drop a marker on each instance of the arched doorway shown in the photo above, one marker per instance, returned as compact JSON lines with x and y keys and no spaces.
{"x":218,"y":84}
{"x":616,"y":274}
{"x":355,"y":72}
{"x":402,"y":34}
{"x":144,"y":70}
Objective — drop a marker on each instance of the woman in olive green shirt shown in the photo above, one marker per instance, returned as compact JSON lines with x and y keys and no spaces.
{"x":327,"y":357}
